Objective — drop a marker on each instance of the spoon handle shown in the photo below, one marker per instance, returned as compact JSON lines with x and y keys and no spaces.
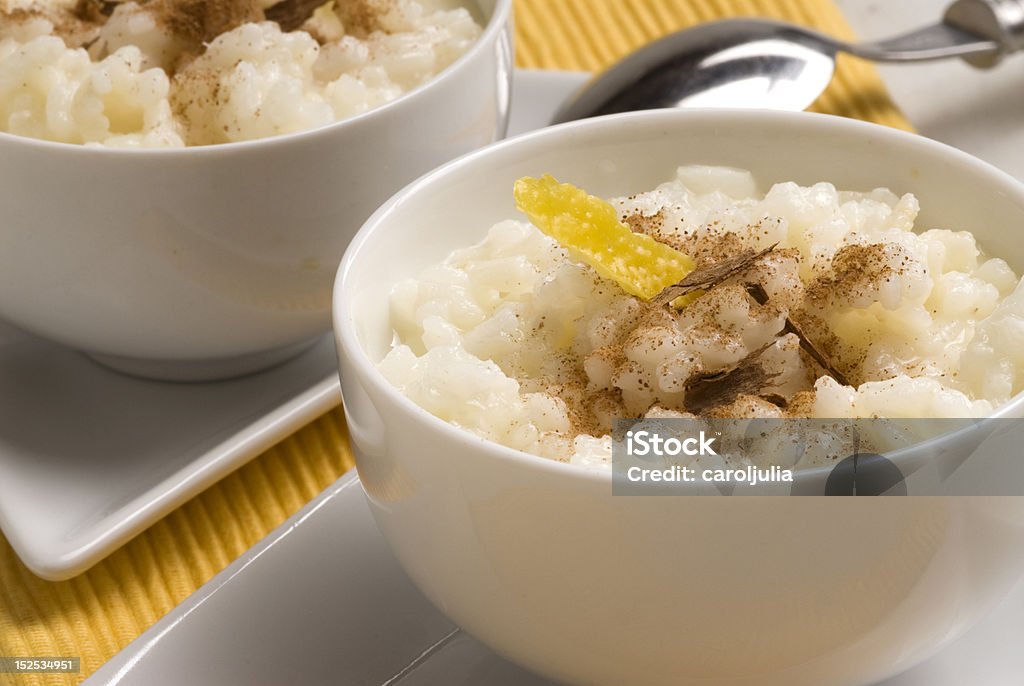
{"x":1001,"y":21}
{"x":936,"y":42}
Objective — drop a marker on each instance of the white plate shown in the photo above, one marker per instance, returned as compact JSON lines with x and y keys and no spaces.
{"x":89,"y":457}
{"x":322,"y":601}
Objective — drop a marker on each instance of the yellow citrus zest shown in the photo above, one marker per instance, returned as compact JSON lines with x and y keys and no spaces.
{"x":589,"y":228}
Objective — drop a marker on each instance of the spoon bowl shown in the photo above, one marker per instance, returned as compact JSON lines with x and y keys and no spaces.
{"x":764,"y":64}
{"x":746,"y":63}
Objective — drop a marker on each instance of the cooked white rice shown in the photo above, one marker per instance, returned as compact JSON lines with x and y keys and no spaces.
{"x":513,"y":341}
{"x":251,"y":82}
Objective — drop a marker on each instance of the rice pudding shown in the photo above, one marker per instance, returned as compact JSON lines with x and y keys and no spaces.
{"x":799,"y":302}
{"x":174,"y":73}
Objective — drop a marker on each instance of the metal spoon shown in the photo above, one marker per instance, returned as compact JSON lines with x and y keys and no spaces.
{"x":755,"y":63}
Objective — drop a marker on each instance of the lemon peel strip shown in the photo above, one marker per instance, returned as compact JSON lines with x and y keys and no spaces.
{"x":589,"y":229}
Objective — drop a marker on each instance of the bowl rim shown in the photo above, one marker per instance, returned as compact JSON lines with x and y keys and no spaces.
{"x":499,"y":21}
{"x":352,"y":350}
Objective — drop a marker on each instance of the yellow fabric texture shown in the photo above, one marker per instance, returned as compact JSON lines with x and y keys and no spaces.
{"x":99,"y":612}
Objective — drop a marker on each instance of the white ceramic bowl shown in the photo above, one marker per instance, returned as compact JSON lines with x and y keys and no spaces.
{"x":215,"y":261}
{"x":539,"y":561}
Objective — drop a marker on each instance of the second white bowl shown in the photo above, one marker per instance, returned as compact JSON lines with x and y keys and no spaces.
{"x":211,"y":262}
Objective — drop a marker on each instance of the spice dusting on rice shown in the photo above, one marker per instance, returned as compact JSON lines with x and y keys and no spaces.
{"x":77,"y":25}
{"x":800,"y":302}
{"x":759,"y":295}
{"x":171,"y":73}
{"x":197,"y":22}
{"x":93,"y":11}
{"x":645,"y":224}
{"x":362,"y":17}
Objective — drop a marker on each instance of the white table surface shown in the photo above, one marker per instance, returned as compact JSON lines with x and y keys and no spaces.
{"x":979,"y":111}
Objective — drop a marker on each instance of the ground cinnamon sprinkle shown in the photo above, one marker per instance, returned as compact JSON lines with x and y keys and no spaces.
{"x":19,"y":15}
{"x":855,"y":268}
{"x":196,"y":22}
{"x":362,"y":17}
{"x":747,"y":387}
{"x":93,"y":11}
{"x":192,"y":22}
{"x":77,"y":25}
{"x":645,"y":224}
{"x":801,"y":404}
{"x":188,"y":73}
{"x":183,"y":98}
{"x":291,"y":15}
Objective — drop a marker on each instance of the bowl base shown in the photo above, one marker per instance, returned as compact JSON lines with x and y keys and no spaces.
{"x":197,"y":371}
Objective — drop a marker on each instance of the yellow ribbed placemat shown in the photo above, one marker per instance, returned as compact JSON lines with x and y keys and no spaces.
{"x":589,"y":34}
{"x":97,"y":613}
